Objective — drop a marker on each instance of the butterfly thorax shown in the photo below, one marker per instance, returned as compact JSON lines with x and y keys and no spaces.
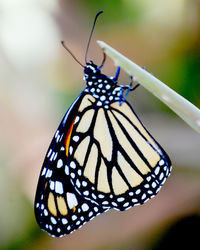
{"x":103,"y":88}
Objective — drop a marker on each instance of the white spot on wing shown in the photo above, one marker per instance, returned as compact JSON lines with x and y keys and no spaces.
{"x":52,"y":185}
{"x":99,"y":103}
{"x":59,"y":187}
{"x":143,"y":196}
{"x":57,"y":132}
{"x":45,"y":212}
{"x":161,"y":176}
{"x":71,"y":200}
{"x":85,"y":207}
{"x":76,"y":138}
{"x":84,"y":183}
{"x":70,"y":150}
{"x":72,"y":164}
{"x":72,"y":175}
{"x":120,"y":199}
{"x":86,"y":192}
{"x":78,"y":184}
{"x":66,"y":170}
{"x":55,"y":156}
{"x":53,"y":220}
{"x":59,"y":163}
{"x":90,"y":214}
{"x":43,"y":171}
{"x":103,"y":98}
{"x":52,"y":156}
{"x":161,"y":162}
{"x":78,"y":222}
{"x":64,"y":221}
{"x":96,"y":209}
{"x":49,"y":152}
{"x":48,"y":173}
{"x":157,"y":170}
{"x":154,"y":184}
{"x":138,"y":191}
{"x":74,"y":217}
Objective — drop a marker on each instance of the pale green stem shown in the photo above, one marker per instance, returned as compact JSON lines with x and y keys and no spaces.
{"x":182,"y":107}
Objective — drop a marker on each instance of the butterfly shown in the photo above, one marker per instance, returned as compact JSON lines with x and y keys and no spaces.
{"x":101,"y":157}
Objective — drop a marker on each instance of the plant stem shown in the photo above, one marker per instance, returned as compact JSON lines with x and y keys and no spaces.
{"x":182,"y":107}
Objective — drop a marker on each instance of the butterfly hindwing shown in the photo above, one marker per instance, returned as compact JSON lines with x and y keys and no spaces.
{"x":121,"y":164}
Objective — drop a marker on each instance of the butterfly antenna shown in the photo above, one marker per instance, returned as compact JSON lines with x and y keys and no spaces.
{"x":69,"y":51}
{"x":103,"y":61}
{"x":98,"y":13}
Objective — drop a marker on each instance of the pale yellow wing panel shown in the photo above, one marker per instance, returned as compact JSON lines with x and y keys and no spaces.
{"x":125,"y":109}
{"x":102,"y":135}
{"x":126,"y":145}
{"x":142,"y":144}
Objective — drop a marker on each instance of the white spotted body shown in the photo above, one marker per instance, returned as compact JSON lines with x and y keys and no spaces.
{"x":101,"y":87}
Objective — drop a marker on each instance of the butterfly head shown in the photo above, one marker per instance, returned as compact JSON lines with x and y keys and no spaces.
{"x":91,"y":69}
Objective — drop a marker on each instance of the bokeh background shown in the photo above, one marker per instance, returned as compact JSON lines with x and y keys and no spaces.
{"x":38,"y":82}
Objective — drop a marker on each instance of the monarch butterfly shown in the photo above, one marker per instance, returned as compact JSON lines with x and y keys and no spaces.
{"x":101,"y":157}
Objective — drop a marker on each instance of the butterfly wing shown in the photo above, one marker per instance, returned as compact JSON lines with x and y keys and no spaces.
{"x":121,"y":165}
{"x":59,"y":208}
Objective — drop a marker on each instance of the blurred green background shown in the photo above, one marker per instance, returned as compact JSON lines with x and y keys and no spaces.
{"x":38,"y":82}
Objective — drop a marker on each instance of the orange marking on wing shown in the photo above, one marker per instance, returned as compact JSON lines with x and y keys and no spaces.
{"x":73,"y":209}
{"x":45,"y":186}
{"x":68,"y":137}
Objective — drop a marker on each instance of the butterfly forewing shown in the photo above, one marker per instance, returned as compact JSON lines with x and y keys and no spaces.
{"x":59,"y":208}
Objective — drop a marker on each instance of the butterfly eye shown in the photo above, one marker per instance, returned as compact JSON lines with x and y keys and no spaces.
{"x":91,"y":68}
{"x":88,"y":70}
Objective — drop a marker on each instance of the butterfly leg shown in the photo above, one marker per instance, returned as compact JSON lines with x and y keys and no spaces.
{"x":128,"y":88}
{"x":115,"y":78}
